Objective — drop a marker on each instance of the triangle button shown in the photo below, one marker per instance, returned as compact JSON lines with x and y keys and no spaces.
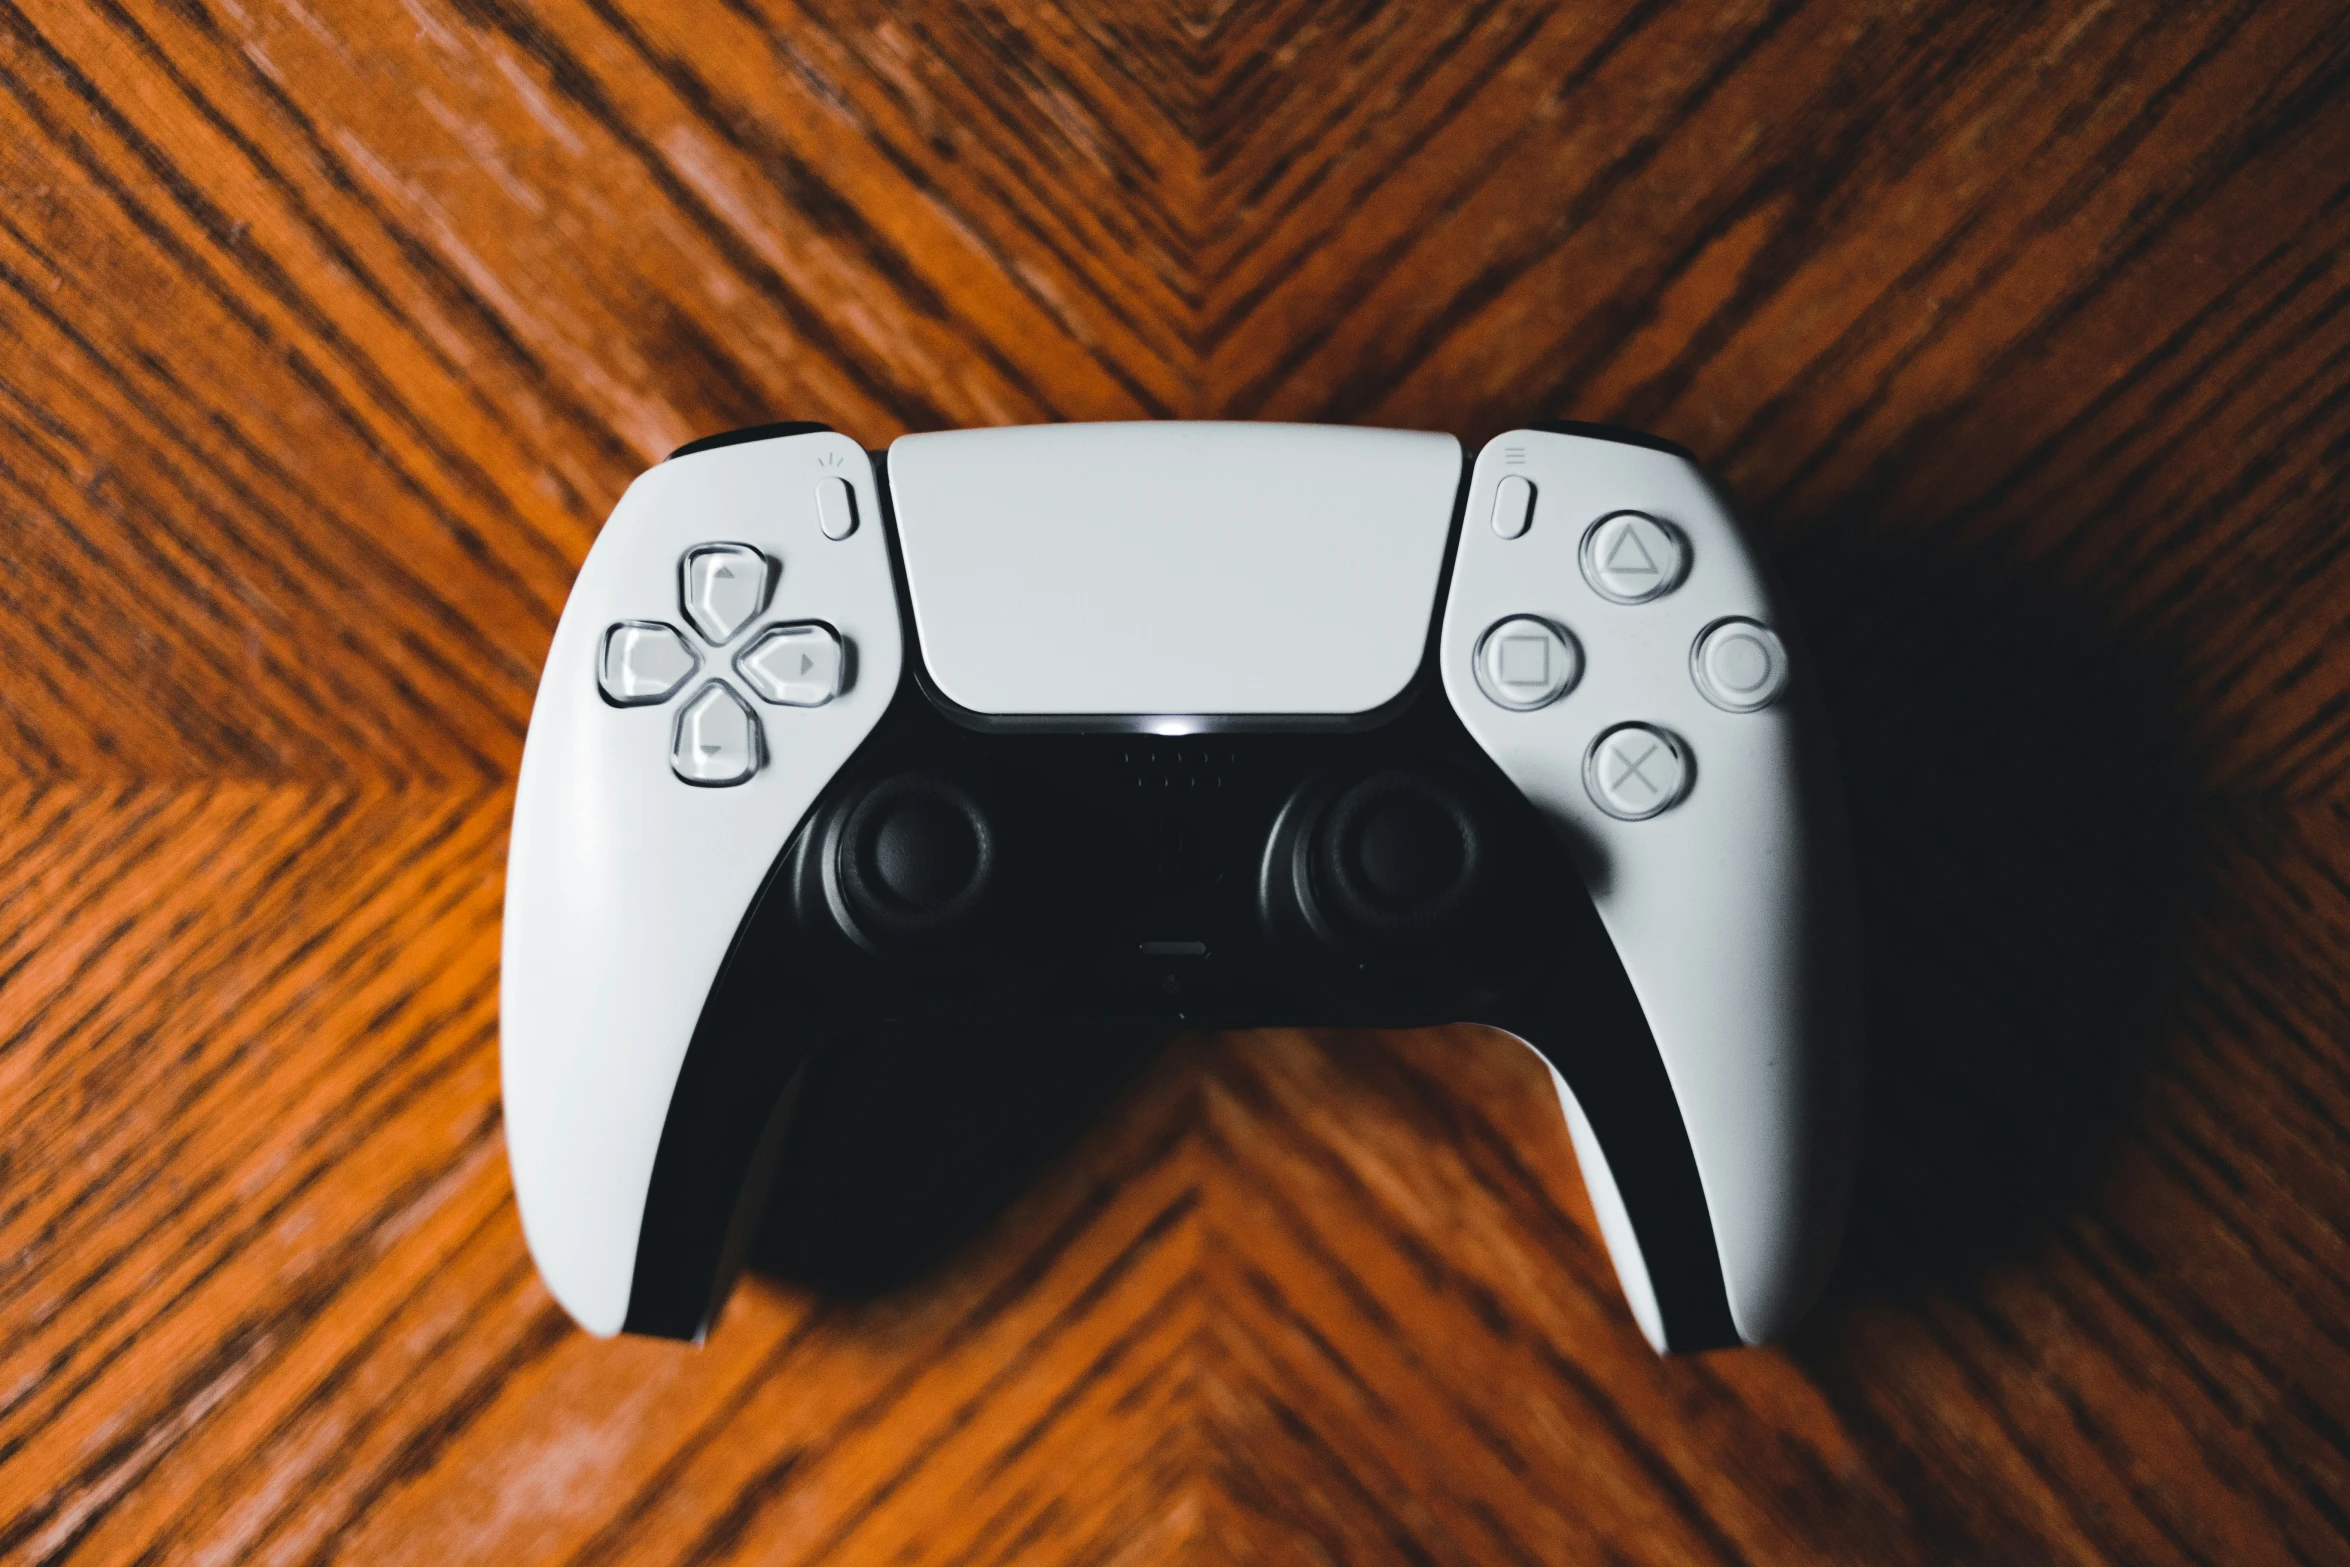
{"x":1630,"y":557}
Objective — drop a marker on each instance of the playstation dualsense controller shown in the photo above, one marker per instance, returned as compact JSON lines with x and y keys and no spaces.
{"x":1238,"y":724}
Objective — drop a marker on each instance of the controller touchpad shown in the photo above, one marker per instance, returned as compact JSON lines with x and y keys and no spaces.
{"x":1134,"y":569}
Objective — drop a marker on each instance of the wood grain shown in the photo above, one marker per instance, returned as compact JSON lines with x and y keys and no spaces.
{"x":328,"y":335}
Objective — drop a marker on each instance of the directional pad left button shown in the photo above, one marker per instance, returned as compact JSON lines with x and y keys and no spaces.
{"x":644,"y":662}
{"x":717,"y":740}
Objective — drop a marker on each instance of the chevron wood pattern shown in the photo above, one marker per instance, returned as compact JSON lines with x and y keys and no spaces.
{"x":329,"y":333}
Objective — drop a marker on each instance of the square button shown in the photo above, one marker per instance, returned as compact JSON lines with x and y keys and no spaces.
{"x":1525,"y":661}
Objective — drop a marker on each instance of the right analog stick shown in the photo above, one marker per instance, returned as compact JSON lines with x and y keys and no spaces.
{"x":913,"y":860}
{"x":1396,"y":856}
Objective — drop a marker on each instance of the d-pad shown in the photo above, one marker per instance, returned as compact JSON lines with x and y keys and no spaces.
{"x":717,"y":739}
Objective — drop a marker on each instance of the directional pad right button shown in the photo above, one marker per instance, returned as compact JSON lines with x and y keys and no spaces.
{"x":717,"y":740}
{"x":724,"y":587}
{"x":798,"y":666}
{"x":1631,"y":558}
{"x":1633,"y":772}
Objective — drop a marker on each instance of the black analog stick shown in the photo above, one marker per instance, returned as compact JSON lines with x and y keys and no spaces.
{"x":913,"y":859}
{"x":924,"y":852}
{"x":1398,"y":855}
{"x":1409,"y":852}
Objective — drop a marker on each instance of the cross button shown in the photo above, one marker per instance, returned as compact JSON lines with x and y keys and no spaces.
{"x":1634,"y":771}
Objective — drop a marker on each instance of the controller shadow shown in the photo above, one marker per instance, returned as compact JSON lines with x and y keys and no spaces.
{"x":907,"y":1140}
{"x":2023,"y":822}
{"x":2022,"y":811}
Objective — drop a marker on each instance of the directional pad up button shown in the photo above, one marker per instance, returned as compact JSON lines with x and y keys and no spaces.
{"x":724,"y":587}
{"x":798,"y":666}
{"x":717,"y":740}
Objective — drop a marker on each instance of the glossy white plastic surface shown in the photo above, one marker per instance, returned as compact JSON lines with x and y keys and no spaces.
{"x":1729,"y":910}
{"x":1173,"y":568}
{"x":624,"y":885}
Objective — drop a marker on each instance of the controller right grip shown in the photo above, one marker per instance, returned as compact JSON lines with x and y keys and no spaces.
{"x":1724,"y":889}
{"x":1635,"y":1156}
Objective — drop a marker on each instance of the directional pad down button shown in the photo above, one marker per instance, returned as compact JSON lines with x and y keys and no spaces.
{"x":717,"y":740}
{"x":798,"y":666}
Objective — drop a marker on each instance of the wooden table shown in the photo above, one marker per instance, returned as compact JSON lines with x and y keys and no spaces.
{"x":328,"y":335}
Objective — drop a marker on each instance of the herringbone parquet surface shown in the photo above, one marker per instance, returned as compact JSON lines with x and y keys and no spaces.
{"x":328,"y":333}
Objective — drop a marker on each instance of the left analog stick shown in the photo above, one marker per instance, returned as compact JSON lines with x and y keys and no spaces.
{"x":924,"y":852}
{"x":913,"y":860}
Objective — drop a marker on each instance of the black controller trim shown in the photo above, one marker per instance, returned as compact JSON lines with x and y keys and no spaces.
{"x":1619,"y":434}
{"x":1538,"y":964}
{"x":748,"y":434}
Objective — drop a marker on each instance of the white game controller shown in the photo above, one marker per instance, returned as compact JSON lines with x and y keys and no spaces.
{"x":1235,"y":723}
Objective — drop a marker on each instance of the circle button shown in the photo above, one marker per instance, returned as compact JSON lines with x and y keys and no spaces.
{"x":1739,"y":665}
{"x":1634,"y":771}
{"x":1630,"y":557}
{"x":1524,"y":663}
